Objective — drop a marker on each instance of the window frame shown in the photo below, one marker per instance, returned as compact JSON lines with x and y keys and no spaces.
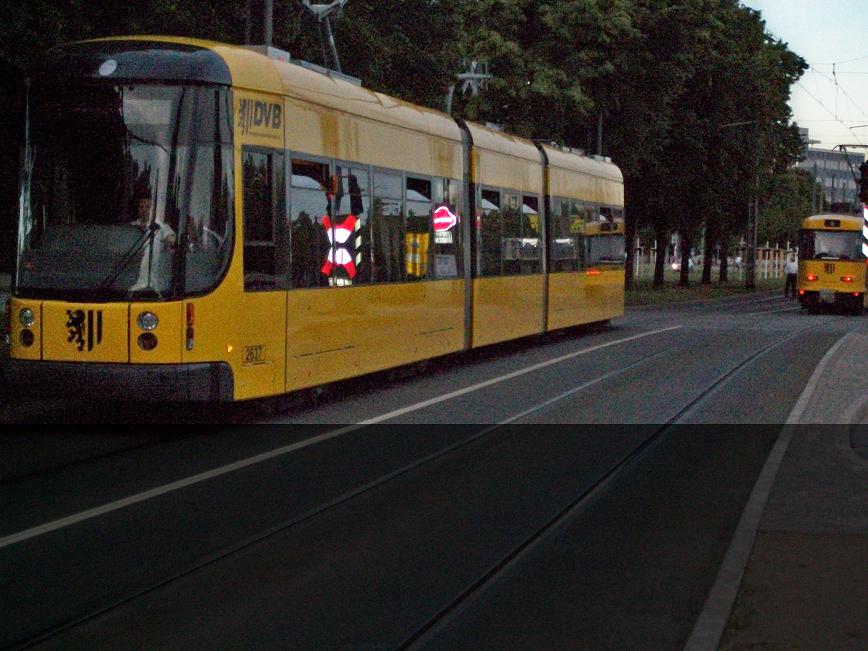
{"x":279,"y":224}
{"x":312,"y":158}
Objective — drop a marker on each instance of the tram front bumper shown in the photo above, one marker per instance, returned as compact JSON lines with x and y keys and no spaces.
{"x":205,"y":382}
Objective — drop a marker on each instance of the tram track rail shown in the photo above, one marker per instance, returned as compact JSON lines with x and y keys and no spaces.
{"x":489,"y":576}
{"x":483,"y":432}
{"x":77,"y":462}
{"x":427,"y":631}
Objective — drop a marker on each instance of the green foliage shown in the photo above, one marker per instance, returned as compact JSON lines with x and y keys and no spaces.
{"x":790,"y":200}
{"x":669,"y":78}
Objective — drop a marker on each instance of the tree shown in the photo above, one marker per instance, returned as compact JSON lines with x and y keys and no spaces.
{"x":663,"y":76}
{"x":789,"y":201}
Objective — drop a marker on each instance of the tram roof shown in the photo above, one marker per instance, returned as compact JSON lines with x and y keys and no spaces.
{"x":148,"y":58}
{"x":205,"y":61}
{"x":848,"y":222}
{"x":583,"y":164}
{"x":485,"y":137}
{"x":178,"y":59}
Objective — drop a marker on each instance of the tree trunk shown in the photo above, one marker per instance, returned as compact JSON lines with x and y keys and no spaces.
{"x":660,"y":262}
{"x":707,"y":257}
{"x":724,"y":261}
{"x":684,"y":275}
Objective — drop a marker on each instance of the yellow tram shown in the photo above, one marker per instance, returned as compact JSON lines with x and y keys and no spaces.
{"x":202,"y":221}
{"x":832,"y":267}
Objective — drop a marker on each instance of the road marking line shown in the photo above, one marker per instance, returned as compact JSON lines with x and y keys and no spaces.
{"x":771,"y":298}
{"x":60,"y":523}
{"x":509,"y":376}
{"x":811,"y":387}
{"x":166,"y":488}
{"x":783,"y":309}
{"x":709,"y":627}
{"x":581,"y":387}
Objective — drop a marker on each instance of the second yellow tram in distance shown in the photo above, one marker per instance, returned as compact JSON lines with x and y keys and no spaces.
{"x":201,"y":221}
{"x":832,"y":268}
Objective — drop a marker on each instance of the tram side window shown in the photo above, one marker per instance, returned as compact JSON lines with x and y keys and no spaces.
{"x":309,"y":205}
{"x":530,"y":235}
{"x":387,"y":229}
{"x":351,"y":264}
{"x":265,"y":237}
{"x":206,"y":203}
{"x":448,"y":202}
{"x":417,"y":238}
{"x":581,"y":216}
{"x":564,"y":250}
{"x":489,"y":234}
{"x":606,"y":246}
{"x":510,"y":211}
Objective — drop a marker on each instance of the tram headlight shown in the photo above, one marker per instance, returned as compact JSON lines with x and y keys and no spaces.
{"x":147,"y":321}
{"x":147,"y":341}
{"x":26,"y":317}
{"x":27,"y":338}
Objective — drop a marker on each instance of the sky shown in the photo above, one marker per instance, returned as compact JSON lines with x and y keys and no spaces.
{"x":831,"y":98}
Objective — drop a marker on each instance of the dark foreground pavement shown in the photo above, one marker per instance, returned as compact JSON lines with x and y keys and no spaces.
{"x":631,"y":569}
{"x":806,"y":584}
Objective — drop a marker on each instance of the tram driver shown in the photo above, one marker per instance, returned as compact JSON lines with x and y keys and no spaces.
{"x":156,"y":264}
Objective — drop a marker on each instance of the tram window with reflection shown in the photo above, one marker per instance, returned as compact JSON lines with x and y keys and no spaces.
{"x":489,"y":233}
{"x":349,"y":260}
{"x":127,"y":192}
{"x":418,"y":236}
{"x":387,"y":229}
{"x":607,"y":244}
{"x":448,"y":261}
{"x":509,"y":236}
{"x":567,"y":249}
{"x":830,"y":245}
{"x":266,"y":249}
{"x":308,"y":205}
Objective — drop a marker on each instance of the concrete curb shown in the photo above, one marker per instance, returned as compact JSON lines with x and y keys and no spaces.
{"x":711,"y":624}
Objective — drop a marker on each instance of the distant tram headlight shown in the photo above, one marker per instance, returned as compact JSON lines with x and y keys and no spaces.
{"x":26,"y":338}
{"x":26,"y":317}
{"x":147,"y":321}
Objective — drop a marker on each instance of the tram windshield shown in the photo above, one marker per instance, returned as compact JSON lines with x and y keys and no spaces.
{"x":126,"y":192}
{"x":830,"y":245}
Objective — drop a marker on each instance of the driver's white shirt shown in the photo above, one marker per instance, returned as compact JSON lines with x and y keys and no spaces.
{"x":154,"y":260}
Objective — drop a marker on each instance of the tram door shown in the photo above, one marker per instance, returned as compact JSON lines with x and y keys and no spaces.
{"x":262,"y":311}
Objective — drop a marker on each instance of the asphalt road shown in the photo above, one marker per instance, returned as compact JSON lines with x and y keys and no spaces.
{"x":535,"y":523}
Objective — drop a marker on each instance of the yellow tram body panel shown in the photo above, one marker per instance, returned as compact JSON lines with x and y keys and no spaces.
{"x":342,"y":332}
{"x":260,"y":343}
{"x":97,"y":332}
{"x":577,"y":297}
{"x":506,"y":307}
{"x":829,"y":276}
{"x":17,"y":350}
{"x":839,"y":276}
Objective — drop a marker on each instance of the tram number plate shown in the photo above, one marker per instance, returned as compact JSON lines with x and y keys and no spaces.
{"x":254,"y":355}
{"x":827,"y":296}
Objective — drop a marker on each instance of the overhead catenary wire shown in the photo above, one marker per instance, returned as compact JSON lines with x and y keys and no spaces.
{"x":827,"y":109}
{"x":838,"y":87}
{"x":833,"y":63}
